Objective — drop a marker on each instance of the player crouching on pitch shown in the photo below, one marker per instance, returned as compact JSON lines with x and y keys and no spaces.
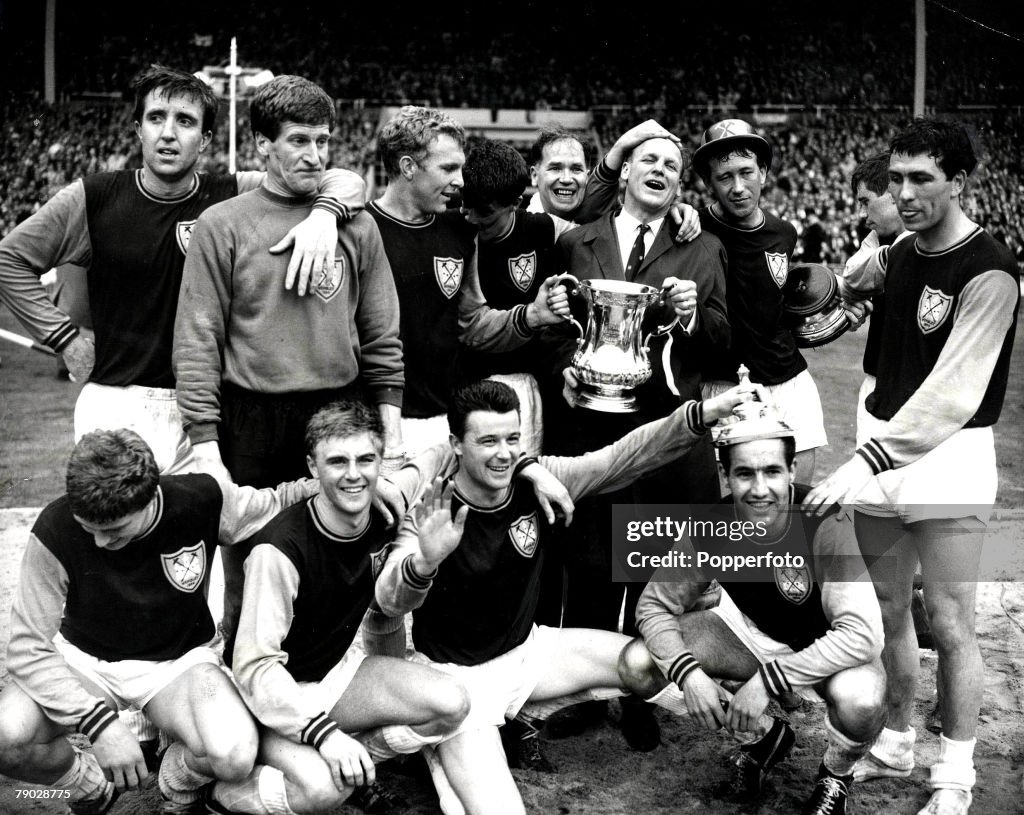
{"x":467,"y":562}
{"x":111,"y":613}
{"x":309,"y":579}
{"x":816,"y":630}
{"x":328,"y":712}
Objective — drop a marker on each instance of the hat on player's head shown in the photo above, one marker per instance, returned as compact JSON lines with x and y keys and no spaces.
{"x":726,"y":136}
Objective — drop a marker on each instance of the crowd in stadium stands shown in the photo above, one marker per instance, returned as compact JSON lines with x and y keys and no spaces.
{"x":523,"y":54}
{"x":42,"y":149}
{"x":764,"y":53}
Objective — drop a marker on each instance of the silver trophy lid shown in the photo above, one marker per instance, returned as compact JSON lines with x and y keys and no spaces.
{"x":753,"y":420}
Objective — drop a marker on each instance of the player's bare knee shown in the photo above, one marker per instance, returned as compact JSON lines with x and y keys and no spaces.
{"x":952,"y":633}
{"x":451,"y":705}
{"x":233,"y":759}
{"x":17,"y":737}
{"x":858,"y":701}
{"x":895,"y":608}
{"x":637,"y":670}
{"x":313,"y":790}
{"x":14,"y":746}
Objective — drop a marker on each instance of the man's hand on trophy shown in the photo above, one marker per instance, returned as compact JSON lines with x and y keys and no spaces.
{"x":549,"y":307}
{"x":724,"y":404}
{"x":570,"y":387}
{"x":681,"y":296}
{"x":558,"y":296}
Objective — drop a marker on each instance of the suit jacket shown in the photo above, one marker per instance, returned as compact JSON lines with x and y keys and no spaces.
{"x":592,"y":251}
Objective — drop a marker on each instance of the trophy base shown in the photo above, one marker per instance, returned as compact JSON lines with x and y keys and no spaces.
{"x":612,"y":402}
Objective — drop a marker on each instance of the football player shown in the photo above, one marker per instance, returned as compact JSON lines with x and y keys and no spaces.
{"x":813,"y":629}
{"x":468,"y":562}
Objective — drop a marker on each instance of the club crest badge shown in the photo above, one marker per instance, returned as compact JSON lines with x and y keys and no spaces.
{"x":932,"y":309}
{"x":448,"y":272}
{"x":522,"y":270}
{"x":778,"y":265}
{"x":183,"y":233}
{"x":794,"y":583}
{"x":524,"y":534}
{"x":186,"y":567}
{"x":328,"y":282}
{"x":379,"y":558}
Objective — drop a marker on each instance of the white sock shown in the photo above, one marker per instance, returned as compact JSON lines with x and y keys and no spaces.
{"x":179,"y":782}
{"x":842,"y":752}
{"x":542,"y":711}
{"x":84,"y":780}
{"x":270,"y":783}
{"x":139,"y":723}
{"x":393,"y":740}
{"x":672,"y":699}
{"x":955,"y":768}
{"x":241,"y":796}
{"x":895,"y":748}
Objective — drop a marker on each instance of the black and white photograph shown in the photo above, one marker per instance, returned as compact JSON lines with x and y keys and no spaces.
{"x":511,"y":408}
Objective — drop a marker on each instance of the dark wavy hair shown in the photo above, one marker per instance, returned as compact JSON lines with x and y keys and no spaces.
{"x":111,"y":474}
{"x":485,"y":394}
{"x":172,"y":82}
{"x":946,"y":142}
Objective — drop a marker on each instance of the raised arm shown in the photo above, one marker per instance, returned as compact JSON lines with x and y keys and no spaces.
{"x":646,"y":448}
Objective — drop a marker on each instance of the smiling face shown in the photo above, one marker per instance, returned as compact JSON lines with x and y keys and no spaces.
{"x":879,"y":212}
{"x":296,"y":159}
{"x":348,"y":468}
{"x":560,"y":177}
{"x":171,"y":132}
{"x":760,"y":480}
{"x":487,"y":452}
{"x":736,"y":182}
{"x":437,"y":177}
{"x":652,"y":178}
{"x":924,"y":196}
{"x":117,"y":534}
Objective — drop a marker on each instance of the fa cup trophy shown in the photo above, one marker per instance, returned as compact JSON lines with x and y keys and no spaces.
{"x":611,"y":354}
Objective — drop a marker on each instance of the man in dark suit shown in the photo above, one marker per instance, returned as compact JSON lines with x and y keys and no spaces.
{"x":635,"y":244}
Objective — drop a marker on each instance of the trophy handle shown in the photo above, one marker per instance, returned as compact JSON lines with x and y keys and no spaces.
{"x":574,"y":290}
{"x":662,"y":329}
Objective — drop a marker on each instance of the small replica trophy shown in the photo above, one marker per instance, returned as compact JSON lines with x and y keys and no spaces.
{"x":752,"y":418}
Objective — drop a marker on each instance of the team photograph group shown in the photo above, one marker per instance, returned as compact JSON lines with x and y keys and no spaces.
{"x":351,"y":460}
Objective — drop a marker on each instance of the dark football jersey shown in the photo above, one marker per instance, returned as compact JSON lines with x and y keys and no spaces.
{"x":483,"y":599}
{"x":147,"y":600}
{"x":785,"y":601}
{"x":138,"y":253}
{"x":336,"y":577}
{"x":428,"y":261}
{"x":758,"y":268}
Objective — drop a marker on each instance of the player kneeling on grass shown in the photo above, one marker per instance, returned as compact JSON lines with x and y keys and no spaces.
{"x":309,"y":580}
{"x":111,"y":613}
{"x":328,"y":712}
{"x":468,"y":560}
{"x":815,"y":629}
